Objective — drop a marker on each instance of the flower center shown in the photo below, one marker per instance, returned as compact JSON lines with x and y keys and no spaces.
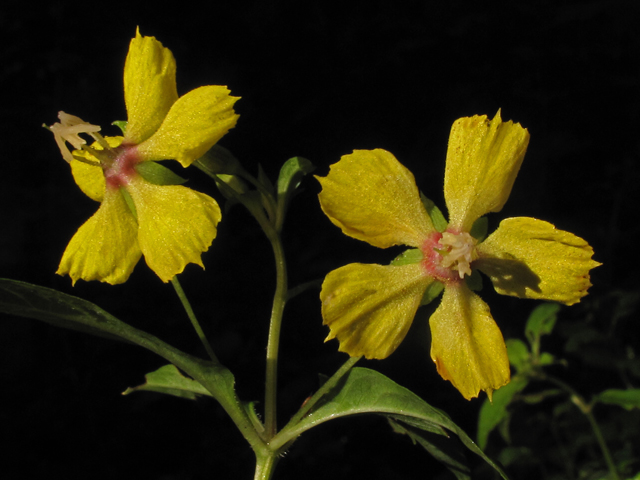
{"x":447,"y":256}
{"x":458,"y":252}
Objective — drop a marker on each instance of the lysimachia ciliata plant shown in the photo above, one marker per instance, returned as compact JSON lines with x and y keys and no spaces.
{"x":144,"y":211}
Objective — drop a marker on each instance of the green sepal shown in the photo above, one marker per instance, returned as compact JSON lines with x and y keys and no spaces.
{"x":432,"y":292}
{"x":479,"y":229}
{"x":408,"y":257}
{"x":170,"y":381}
{"x":129,"y":201}
{"x":219,"y":160}
{"x":122,"y":125}
{"x":158,"y":174}
{"x":494,"y":412}
{"x":474,"y":281}
{"x":437,"y":218}
{"x":627,"y":399}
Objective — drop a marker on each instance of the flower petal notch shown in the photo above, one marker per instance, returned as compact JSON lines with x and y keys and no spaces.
{"x":372,"y":197}
{"x":170,"y":225}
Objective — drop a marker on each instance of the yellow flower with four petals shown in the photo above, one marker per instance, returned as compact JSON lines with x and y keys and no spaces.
{"x":141,"y":212}
{"x":372,"y":197}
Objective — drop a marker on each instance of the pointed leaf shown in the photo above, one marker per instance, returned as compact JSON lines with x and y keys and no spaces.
{"x":492,"y":413}
{"x":366,"y":391}
{"x":541,"y":321}
{"x":627,"y":399}
{"x":170,"y":381}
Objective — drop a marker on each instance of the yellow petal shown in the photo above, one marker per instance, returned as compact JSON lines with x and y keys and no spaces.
{"x":529,"y":258}
{"x":369,"y":308}
{"x":193,"y":125}
{"x":105,"y":248}
{"x":372,"y":197}
{"x":466,"y":343}
{"x":149,"y":86}
{"x":176,"y":224}
{"x":483,"y":160}
{"x":90,"y":178}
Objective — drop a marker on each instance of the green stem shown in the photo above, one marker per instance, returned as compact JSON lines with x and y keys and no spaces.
{"x":192,"y":317}
{"x":288,"y":433}
{"x":277,"y":310}
{"x":265,"y":466}
{"x":586,"y":409}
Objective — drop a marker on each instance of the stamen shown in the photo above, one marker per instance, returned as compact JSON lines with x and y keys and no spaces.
{"x":459,"y":252}
{"x":68,"y":130}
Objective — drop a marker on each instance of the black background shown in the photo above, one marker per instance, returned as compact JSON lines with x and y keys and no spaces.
{"x":317,"y":79}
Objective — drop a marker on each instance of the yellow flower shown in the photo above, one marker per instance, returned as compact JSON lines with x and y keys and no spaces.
{"x":372,"y":197}
{"x":142,"y":209}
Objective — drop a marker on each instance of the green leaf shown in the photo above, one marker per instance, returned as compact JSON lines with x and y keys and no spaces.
{"x":408,"y":257}
{"x":366,"y":391}
{"x":170,"y":381}
{"x":431,"y":293}
{"x":437,"y":218}
{"x":627,"y":399}
{"x":158,"y":174}
{"x":492,"y":413}
{"x":541,"y":321}
{"x":40,"y":303}
{"x":519,"y":355}
{"x":440,"y":448}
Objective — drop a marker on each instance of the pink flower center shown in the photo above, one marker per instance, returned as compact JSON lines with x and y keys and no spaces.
{"x":121,"y":169}
{"x":447,"y":256}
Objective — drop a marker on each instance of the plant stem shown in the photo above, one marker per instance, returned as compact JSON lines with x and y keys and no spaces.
{"x":279,"y":300}
{"x":192,"y":317}
{"x":586,"y":409}
{"x":287,"y":434}
{"x":265,"y":466}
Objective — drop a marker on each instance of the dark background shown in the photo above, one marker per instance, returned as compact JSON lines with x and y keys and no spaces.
{"x":317,"y":80}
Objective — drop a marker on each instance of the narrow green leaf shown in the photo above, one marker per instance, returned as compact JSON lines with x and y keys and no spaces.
{"x":627,"y":399}
{"x":437,"y":218}
{"x":440,"y":448}
{"x":492,"y":413}
{"x":170,"y":381}
{"x":40,"y":303}
{"x":366,"y":391}
{"x":154,"y":172}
